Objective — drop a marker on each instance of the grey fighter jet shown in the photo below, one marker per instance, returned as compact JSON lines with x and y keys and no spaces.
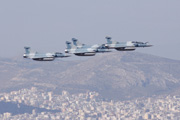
{"x":84,"y":50}
{"x":124,"y":46}
{"x":42,"y":56}
{"x":97,"y":48}
{"x":79,"y":51}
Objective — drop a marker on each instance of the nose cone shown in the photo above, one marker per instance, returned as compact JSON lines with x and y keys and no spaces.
{"x":149,"y":45}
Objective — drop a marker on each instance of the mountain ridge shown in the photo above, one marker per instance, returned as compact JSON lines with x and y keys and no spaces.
{"x":117,"y":75}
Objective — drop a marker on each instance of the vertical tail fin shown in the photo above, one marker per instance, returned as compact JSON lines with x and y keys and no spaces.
{"x":76,"y":42}
{"x":109,"y":41}
{"x":68,"y":44}
{"x":27,"y":49}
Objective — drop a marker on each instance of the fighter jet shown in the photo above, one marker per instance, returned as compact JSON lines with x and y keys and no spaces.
{"x":124,"y":46}
{"x":42,"y":56}
{"x":84,"y":50}
{"x":79,"y":51}
{"x":97,"y":48}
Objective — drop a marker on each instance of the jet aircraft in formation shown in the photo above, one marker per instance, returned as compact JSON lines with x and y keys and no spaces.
{"x":42,"y":56}
{"x":124,"y":46}
{"x":84,"y":50}
{"x":80,"y":49}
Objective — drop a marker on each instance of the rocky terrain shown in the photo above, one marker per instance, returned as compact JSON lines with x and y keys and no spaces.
{"x":117,"y":75}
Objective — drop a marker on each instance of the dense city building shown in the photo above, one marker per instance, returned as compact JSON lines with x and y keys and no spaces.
{"x":89,"y":106}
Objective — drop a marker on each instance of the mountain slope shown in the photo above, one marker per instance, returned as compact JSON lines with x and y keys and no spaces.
{"x":117,"y":75}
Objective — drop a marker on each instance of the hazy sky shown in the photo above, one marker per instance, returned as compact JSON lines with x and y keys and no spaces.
{"x":45,"y":25}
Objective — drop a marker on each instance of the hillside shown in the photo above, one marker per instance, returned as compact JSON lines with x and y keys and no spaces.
{"x":117,"y":75}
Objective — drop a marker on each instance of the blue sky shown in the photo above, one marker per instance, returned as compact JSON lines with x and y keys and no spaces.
{"x":45,"y":25}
